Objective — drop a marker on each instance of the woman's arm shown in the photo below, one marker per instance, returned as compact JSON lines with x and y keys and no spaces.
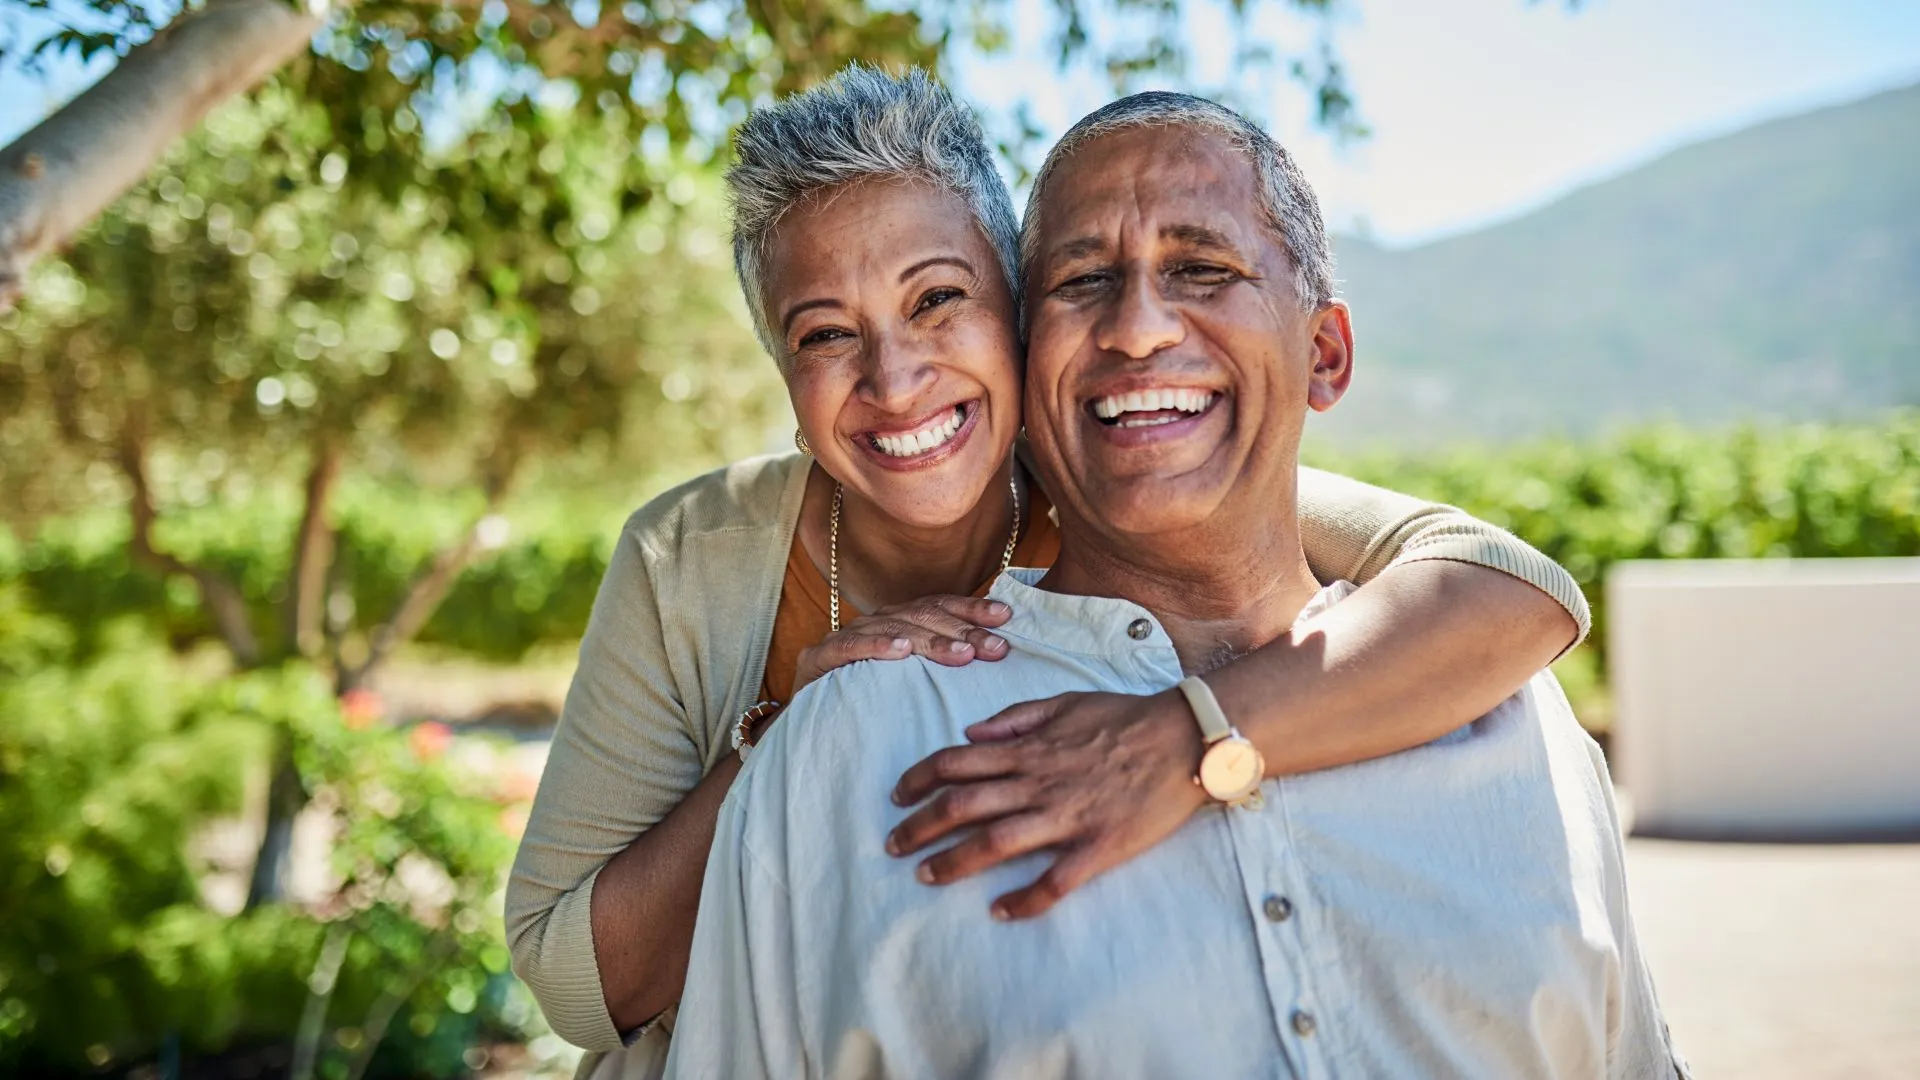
{"x":1426,"y":647}
{"x":1435,"y":641}
{"x":1354,"y":531}
{"x":622,"y":758}
{"x":645,"y":902}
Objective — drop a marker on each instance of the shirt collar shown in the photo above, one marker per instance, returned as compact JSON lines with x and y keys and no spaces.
{"x":1100,"y":625}
{"x":1091,"y":625}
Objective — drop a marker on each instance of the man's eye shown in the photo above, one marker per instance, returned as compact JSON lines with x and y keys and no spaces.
{"x":1082,"y":283}
{"x":937,"y":298}
{"x":1204,"y":274}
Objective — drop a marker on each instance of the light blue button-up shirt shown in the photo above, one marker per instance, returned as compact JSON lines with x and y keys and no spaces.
{"x":1456,"y":910}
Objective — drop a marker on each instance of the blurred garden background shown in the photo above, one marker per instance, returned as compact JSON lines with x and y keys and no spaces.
{"x":315,"y":442}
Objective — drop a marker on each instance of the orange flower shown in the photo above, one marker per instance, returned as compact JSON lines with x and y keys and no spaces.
{"x":429,"y":739}
{"x":360,"y":708}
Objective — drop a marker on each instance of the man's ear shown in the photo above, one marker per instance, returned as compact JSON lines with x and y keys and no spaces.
{"x":1332,"y":328}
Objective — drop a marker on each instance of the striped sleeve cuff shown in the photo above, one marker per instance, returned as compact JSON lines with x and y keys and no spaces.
{"x":565,"y":977}
{"x":1507,"y":553}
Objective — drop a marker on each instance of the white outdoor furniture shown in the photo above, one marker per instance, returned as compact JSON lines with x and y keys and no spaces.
{"x":1768,"y":698}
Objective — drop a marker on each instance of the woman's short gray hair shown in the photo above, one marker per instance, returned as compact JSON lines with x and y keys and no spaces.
{"x":1291,"y":209}
{"x":861,"y":123}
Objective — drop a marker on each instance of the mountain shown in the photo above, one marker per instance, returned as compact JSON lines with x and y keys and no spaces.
{"x":1772,"y":272}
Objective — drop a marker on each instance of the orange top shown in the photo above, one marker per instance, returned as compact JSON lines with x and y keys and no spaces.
{"x":802,"y":619}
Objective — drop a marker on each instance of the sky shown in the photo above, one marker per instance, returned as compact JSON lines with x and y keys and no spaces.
{"x":1479,"y":110}
{"x":1483,"y":109}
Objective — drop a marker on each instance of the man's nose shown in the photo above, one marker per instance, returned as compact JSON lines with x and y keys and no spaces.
{"x":898,"y":373}
{"x":1140,"y":322}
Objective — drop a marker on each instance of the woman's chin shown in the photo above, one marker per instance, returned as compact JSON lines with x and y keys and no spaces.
{"x":930,"y":507}
{"x":932,"y":499}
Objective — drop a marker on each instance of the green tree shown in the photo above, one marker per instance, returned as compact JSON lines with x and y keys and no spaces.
{"x":443,"y":240}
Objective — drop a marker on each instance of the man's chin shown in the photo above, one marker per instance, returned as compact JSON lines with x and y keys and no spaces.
{"x":1153,"y":506}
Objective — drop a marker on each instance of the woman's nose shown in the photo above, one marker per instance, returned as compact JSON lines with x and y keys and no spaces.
{"x":898,"y":373}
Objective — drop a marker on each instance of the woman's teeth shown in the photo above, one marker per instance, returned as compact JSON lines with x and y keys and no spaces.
{"x":1151,"y":401}
{"x":919,"y":442}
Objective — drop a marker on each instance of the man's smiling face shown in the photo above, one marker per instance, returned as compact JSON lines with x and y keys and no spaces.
{"x":1171,"y":358}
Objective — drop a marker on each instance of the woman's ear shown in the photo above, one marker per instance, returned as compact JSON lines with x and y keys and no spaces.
{"x":1332,"y":328}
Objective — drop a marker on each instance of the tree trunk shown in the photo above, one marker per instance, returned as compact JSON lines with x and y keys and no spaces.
{"x":313,"y":556}
{"x":222,"y":597}
{"x":60,"y":175}
{"x":286,"y":797}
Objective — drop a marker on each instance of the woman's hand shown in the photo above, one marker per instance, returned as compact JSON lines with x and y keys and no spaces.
{"x":950,"y":630}
{"x":1098,"y":777}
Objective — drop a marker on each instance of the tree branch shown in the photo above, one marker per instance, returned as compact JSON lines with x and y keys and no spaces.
{"x":222,"y":597}
{"x":60,"y":175}
{"x":313,"y":555}
{"x":424,"y":595}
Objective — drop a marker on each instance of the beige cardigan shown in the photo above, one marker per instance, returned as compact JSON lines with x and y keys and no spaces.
{"x":676,"y":647}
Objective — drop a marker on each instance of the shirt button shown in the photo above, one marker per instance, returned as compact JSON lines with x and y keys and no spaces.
{"x":1139,"y":629}
{"x":1278,"y":908}
{"x":1302,"y":1023}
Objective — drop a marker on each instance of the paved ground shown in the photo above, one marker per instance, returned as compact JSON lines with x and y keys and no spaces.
{"x":1785,"y":961}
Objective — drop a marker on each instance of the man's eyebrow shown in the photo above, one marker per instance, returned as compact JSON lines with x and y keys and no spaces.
{"x":794,"y":312}
{"x":1079,"y":247}
{"x":939,"y":260}
{"x":1198,"y":236}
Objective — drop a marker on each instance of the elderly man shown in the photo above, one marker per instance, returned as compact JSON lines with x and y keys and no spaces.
{"x":1454,"y":910}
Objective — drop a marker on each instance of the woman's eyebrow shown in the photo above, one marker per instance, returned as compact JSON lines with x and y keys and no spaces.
{"x":794,"y":312}
{"x":938,"y":260}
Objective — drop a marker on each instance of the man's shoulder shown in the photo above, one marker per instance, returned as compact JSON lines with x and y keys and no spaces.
{"x":846,"y":709}
{"x":860,"y":720}
{"x":1544,"y":702}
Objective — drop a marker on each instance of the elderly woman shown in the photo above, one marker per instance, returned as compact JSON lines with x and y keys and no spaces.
{"x":876,"y":246}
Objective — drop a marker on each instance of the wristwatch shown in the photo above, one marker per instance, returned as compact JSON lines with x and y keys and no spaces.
{"x":1231,"y":768}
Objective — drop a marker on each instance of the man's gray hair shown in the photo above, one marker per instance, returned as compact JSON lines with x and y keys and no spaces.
{"x":862,"y":123}
{"x":1287,"y":200}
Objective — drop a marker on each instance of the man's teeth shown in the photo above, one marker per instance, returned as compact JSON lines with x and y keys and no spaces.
{"x":1145,"y":401}
{"x":919,"y":442}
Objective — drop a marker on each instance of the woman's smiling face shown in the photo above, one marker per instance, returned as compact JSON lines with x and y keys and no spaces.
{"x":898,"y":343}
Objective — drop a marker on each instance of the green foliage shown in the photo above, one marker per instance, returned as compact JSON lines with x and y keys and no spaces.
{"x":249,"y":302}
{"x":537,"y":588}
{"x":1840,"y":491}
{"x":105,"y":771}
{"x":115,"y":773}
{"x":1810,"y":492}
{"x":1769,"y":272}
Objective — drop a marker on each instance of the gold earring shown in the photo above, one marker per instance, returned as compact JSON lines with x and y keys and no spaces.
{"x":800,"y":442}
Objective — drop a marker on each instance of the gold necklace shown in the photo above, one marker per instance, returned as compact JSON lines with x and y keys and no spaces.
{"x":833,"y":546}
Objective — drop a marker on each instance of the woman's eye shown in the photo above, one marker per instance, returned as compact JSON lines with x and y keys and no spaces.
{"x":823,"y":336}
{"x":937,"y":298}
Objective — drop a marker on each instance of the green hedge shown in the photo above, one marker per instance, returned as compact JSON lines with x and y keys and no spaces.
{"x":1807,"y":491}
{"x":538,"y":588}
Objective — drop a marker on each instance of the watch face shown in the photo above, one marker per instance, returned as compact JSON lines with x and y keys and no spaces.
{"x":1231,"y":769}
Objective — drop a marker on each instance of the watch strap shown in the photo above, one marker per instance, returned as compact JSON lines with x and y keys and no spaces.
{"x":1206,"y":709}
